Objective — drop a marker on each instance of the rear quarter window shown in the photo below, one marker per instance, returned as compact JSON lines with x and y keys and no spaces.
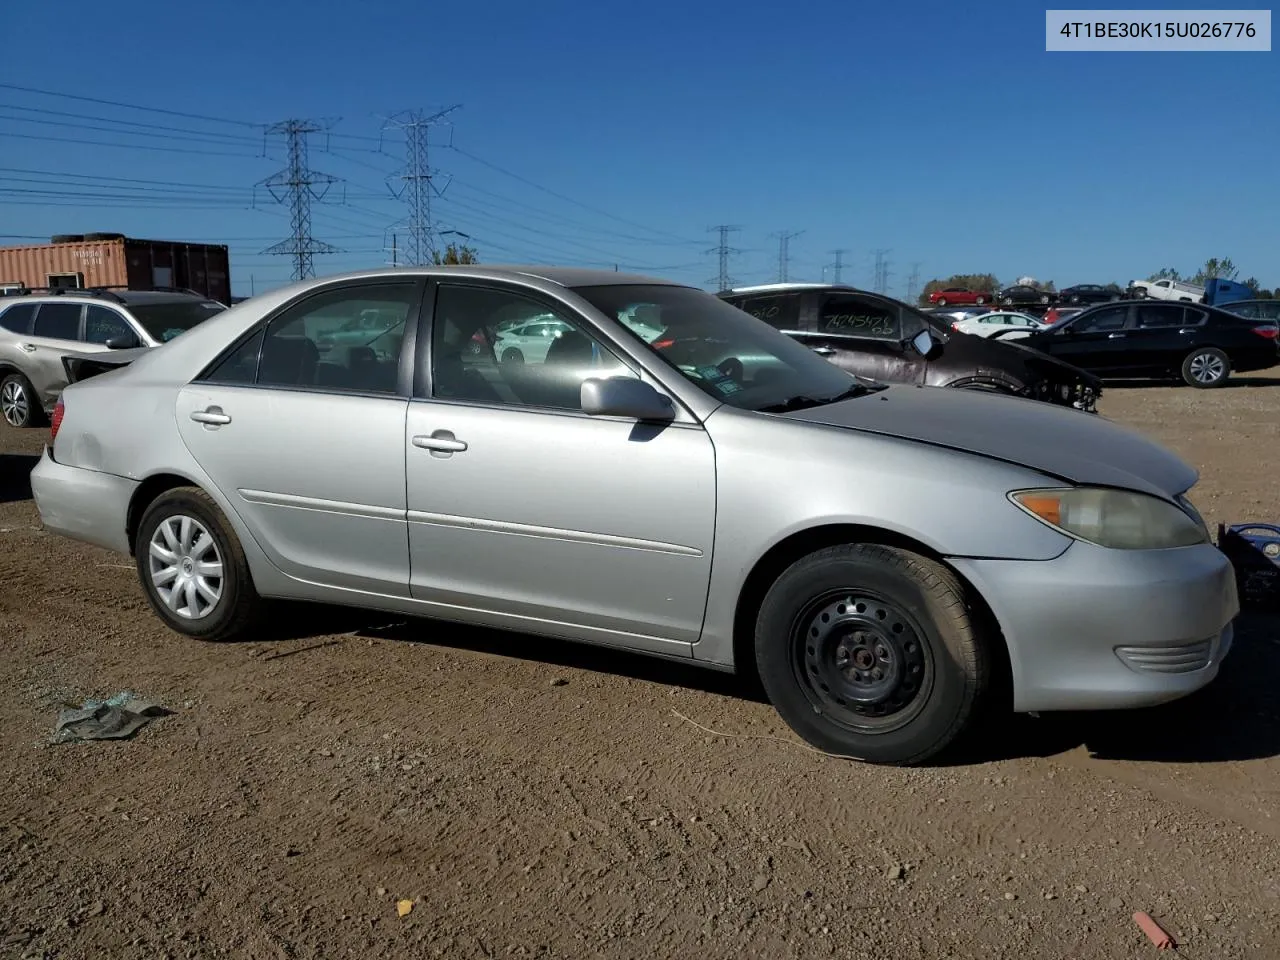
{"x":17,"y":319}
{"x":780,"y":312}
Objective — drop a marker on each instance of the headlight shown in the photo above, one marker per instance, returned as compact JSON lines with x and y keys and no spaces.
{"x":1113,"y":518}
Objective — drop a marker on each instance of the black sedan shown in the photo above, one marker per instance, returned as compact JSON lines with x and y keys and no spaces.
{"x":1198,"y":344}
{"x":1089,"y":293}
{"x":1021,"y":293}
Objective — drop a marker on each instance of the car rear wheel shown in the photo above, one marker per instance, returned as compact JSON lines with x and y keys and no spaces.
{"x":18,"y":401}
{"x":1206,"y":367}
{"x":512,"y":355}
{"x":868,"y":652}
{"x":193,"y":567}
{"x":981,"y":300}
{"x":942,"y":301}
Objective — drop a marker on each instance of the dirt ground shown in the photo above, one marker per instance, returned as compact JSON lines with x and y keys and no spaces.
{"x":537,"y":799}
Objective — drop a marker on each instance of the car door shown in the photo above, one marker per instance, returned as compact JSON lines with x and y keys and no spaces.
{"x":866,"y":336}
{"x":1093,"y":340}
{"x":1160,"y":337}
{"x":525,"y":509}
{"x":310,"y":453}
{"x":55,"y":331}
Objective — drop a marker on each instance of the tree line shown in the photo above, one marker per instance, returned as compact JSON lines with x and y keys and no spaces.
{"x":1222,"y":268}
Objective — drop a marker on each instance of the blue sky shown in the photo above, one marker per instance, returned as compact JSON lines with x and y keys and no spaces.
{"x":941,"y":132}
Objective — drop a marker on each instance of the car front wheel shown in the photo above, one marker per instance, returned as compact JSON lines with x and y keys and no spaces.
{"x":193,"y":568}
{"x":868,"y":652}
{"x":1206,"y":367}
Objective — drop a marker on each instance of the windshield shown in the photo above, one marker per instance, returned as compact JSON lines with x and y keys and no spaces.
{"x":723,"y":351}
{"x":164,"y":321}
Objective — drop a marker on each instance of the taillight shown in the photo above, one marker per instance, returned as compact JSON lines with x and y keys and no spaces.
{"x":1269,"y":331}
{"x":663,"y":344}
{"x":56,"y":421}
{"x":955,"y":324}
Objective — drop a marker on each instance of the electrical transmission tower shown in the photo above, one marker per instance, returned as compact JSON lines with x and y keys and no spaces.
{"x":784,"y":252}
{"x":882,"y":272}
{"x":415,"y":183}
{"x":722,"y":250}
{"x":298,"y":185}
{"x":838,"y":265}
{"x":913,"y":282}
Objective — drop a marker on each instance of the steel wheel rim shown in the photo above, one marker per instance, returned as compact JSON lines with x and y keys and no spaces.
{"x":15,"y":404}
{"x":1206,"y":368}
{"x":862,"y":661}
{"x":185,"y":565}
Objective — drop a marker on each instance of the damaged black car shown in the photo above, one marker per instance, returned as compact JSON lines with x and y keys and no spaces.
{"x":877,"y":337}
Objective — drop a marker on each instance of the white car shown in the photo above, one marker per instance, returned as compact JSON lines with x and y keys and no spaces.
{"x":529,"y":341}
{"x":1006,"y":324}
{"x":1167,"y":290}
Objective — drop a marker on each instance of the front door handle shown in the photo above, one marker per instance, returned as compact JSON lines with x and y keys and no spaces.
{"x":440,"y":442}
{"x":27,"y":347}
{"x":1187,"y":330}
{"x":823,"y":351}
{"x":213,"y":416}
{"x":1115,"y":336}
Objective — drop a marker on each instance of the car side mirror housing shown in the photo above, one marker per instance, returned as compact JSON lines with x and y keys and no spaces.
{"x":120,"y":343}
{"x":926,"y":345}
{"x":625,"y":397}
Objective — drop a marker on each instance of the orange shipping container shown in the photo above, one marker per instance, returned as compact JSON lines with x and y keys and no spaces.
{"x":122,"y":262}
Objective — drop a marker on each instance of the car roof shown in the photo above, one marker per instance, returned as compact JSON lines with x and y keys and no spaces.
{"x":783,"y":287}
{"x":562,"y":276}
{"x":119,"y":297}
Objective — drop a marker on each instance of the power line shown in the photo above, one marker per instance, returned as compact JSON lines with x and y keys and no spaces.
{"x":913,"y":282}
{"x":784,"y":252}
{"x":126,"y":106}
{"x":722,"y":250}
{"x":561,"y":196}
{"x":416,"y":182}
{"x":300,"y":182}
{"x":838,"y":265}
{"x":881,"y":283}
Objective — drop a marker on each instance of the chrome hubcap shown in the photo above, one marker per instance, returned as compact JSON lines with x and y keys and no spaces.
{"x":1206,"y":368}
{"x":14,"y":403}
{"x":186,"y":567}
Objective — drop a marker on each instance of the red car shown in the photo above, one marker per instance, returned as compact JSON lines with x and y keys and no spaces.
{"x":959,"y":295}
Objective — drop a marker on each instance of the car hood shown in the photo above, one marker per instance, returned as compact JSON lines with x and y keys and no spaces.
{"x":1071,"y":445}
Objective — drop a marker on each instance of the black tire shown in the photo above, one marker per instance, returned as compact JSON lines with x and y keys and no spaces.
{"x":1206,"y":367}
{"x":933,"y":669}
{"x":18,"y":402}
{"x":512,"y":355}
{"x":238,"y":606}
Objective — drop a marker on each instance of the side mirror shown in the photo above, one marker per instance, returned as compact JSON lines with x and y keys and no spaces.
{"x":924,"y":344}
{"x":120,"y":343}
{"x":625,"y":397}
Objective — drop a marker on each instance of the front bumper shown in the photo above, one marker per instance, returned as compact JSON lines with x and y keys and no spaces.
{"x":82,"y":504}
{"x":1100,"y":629}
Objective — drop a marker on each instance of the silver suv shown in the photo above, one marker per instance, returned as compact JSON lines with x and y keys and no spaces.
{"x":37,"y":330}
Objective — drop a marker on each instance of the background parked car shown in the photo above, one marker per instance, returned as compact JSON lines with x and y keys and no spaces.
{"x":1088,"y":293}
{"x":1254,"y":309}
{"x":954,"y":314}
{"x":1056,"y":313}
{"x":1021,"y":293}
{"x":870,"y":335}
{"x":1198,"y":344}
{"x":1003,"y":324}
{"x":959,"y":295}
{"x":36,"y":330}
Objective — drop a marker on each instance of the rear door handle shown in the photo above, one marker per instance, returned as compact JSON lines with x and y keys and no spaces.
{"x":442,"y":441}
{"x":1115,"y":336}
{"x":213,"y":415}
{"x":1187,"y":330}
{"x":823,"y":351}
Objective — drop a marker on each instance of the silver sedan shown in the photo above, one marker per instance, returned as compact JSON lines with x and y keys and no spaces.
{"x":700,"y":487}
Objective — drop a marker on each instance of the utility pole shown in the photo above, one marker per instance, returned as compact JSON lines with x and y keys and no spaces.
{"x":838,"y":265}
{"x":882,"y":272}
{"x":784,"y":252}
{"x":722,"y":250}
{"x":394,"y":262}
{"x":415,"y":182}
{"x":913,"y":282}
{"x":299,"y":185}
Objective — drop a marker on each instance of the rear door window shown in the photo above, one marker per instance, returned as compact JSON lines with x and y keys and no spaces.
{"x":781,"y":312}
{"x":1155,"y":315}
{"x":58,"y":321}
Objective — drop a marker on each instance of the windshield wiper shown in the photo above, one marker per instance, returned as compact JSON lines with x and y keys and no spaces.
{"x":800,"y":402}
